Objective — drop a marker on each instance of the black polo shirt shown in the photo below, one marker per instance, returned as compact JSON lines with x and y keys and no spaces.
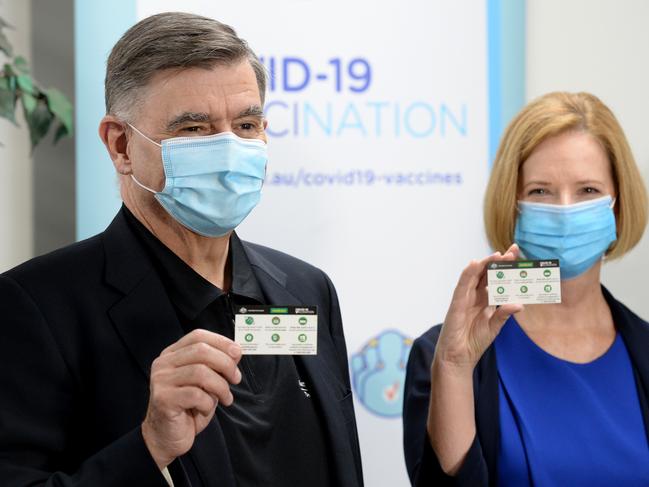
{"x":273,"y":429}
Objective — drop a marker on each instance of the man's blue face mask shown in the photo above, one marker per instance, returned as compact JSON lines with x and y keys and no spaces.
{"x":211,"y":183}
{"x":578,"y":235}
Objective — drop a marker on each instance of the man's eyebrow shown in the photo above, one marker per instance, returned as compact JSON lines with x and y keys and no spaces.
{"x":252,"y":111}
{"x":183,"y":118}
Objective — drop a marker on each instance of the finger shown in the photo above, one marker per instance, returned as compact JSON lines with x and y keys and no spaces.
{"x":201,"y":376}
{"x":203,"y":353}
{"x":471,"y":275}
{"x":479,"y":278}
{"x":217,"y":341}
{"x":195,"y":399}
{"x":513,"y":252}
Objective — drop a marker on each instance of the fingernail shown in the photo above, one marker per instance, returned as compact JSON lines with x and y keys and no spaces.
{"x":237,"y":376}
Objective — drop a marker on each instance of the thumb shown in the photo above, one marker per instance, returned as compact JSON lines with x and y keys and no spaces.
{"x":501,"y":315}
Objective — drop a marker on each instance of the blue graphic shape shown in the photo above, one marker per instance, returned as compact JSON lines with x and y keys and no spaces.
{"x":379,"y":372}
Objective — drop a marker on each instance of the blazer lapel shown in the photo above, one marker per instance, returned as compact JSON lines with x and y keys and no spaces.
{"x":147,"y":322}
{"x":327,"y":389}
{"x":635,"y":333}
{"x":487,"y":412}
{"x":144,"y":317}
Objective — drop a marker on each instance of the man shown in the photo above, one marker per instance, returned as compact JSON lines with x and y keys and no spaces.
{"x":118,"y":360}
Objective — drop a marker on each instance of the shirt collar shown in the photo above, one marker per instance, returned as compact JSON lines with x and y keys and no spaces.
{"x":189,"y":292}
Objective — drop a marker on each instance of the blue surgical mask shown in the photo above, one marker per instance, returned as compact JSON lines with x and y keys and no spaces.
{"x":211,"y":183}
{"x":578,"y":235}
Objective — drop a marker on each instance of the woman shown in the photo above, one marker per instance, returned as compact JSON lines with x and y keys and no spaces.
{"x":552,"y":394}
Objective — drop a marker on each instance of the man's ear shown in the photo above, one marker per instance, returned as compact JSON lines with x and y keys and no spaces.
{"x":112,"y":133}
{"x":265,"y":126}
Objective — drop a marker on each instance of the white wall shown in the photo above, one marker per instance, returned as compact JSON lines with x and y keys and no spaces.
{"x":601,"y":47}
{"x":16,"y":224}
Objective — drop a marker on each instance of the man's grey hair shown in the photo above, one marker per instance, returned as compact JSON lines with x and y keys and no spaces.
{"x":171,"y":40}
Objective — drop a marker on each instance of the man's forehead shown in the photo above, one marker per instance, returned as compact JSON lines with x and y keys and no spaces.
{"x":197,"y":89}
{"x":239,"y":74}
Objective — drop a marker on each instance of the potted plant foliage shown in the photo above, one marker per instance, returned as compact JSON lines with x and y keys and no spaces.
{"x":44,"y":108}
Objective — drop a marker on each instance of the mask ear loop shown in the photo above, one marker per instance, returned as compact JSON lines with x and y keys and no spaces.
{"x":147,"y":138}
{"x":611,"y":206}
{"x":132,"y":176}
{"x":143,"y":186}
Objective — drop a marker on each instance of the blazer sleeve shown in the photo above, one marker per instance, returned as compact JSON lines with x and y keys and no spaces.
{"x":40,"y":411}
{"x":422,"y":464}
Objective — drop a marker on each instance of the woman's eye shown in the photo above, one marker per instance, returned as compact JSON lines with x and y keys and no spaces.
{"x":590,"y":190}
{"x":537,"y":191}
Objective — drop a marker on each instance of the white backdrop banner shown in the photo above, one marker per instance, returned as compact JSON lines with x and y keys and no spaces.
{"x":382,"y":117}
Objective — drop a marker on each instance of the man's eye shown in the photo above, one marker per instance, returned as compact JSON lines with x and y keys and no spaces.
{"x":194,"y":128}
{"x":247,"y":126}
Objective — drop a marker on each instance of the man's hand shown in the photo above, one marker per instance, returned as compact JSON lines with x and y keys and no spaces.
{"x":188,"y":380}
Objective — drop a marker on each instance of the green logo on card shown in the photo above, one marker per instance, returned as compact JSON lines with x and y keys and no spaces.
{"x":523,"y":289}
{"x":250,"y":320}
{"x":547,"y":288}
{"x":248,"y":337}
{"x":523,"y":274}
{"x":275,"y":337}
{"x":276,"y":320}
{"x":301,"y":337}
{"x":547,"y":273}
{"x":500,"y":274}
{"x":302,"y":320}
{"x":500,"y":290}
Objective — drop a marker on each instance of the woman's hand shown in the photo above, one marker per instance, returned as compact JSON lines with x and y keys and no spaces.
{"x":471,"y":325}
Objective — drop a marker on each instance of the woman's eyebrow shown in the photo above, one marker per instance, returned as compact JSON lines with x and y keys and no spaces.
{"x":536,"y":182}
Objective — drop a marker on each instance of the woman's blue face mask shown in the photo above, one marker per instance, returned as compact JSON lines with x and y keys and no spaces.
{"x":578,"y":235}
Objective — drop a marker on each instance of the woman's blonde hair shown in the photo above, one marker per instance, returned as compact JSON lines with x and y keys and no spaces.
{"x":551,"y":115}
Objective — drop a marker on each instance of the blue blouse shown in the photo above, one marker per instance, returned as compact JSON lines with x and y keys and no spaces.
{"x":568,"y":424}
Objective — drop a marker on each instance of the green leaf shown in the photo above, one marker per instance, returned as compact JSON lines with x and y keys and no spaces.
{"x":29,"y":102}
{"x":5,"y":45}
{"x":7,"y":101}
{"x":20,"y":63}
{"x":25,"y":83}
{"x":8,"y":72}
{"x":61,"y":107}
{"x":39,"y":121}
{"x":61,"y":132}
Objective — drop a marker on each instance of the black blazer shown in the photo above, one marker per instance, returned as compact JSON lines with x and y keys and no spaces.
{"x":80,"y":328}
{"x":479,"y":467}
